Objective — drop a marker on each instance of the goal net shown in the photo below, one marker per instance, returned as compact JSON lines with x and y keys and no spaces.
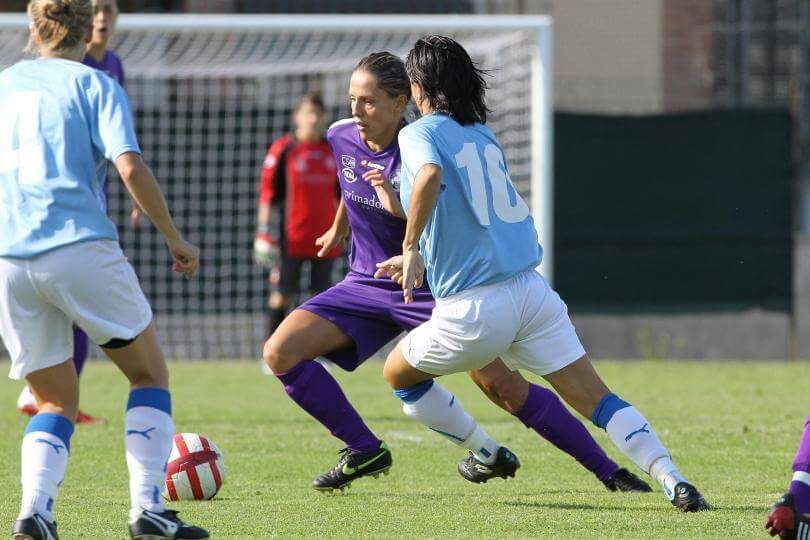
{"x":210,"y":93}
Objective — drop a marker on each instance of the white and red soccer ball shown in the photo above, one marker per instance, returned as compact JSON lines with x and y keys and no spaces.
{"x":195,"y":470}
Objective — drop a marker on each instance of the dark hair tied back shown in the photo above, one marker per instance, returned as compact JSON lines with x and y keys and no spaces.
{"x":389,"y":71}
{"x":451,"y":82}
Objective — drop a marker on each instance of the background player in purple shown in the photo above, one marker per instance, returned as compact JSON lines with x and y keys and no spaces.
{"x":790,"y":516}
{"x":354,"y":319}
{"x":105,"y":15}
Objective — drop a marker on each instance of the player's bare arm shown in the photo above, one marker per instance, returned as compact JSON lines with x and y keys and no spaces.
{"x":336,"y":234}
{"x":426,"y":187}
{"x":143,"y":187}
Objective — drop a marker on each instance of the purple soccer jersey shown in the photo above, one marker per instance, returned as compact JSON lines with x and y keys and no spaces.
{"x":110,"y":64}
{"x":376,"y":234}
{"x":371,"y":311}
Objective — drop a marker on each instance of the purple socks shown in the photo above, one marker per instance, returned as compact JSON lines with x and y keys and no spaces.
{"x":318,"y":393}
{"x":801,"y":488}
{"x":545,"y":413}
{"x":80,"y":350}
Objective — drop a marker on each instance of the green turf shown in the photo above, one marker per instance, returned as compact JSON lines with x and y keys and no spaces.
{"x":732,"y":427}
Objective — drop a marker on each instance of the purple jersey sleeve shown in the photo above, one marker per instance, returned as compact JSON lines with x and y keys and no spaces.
{"x":376,"y":234}
{"x":110,"y":64}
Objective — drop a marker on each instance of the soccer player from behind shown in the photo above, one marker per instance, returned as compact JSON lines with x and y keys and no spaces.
{"x":352,"y":320}
{"x":481,"y":250}
{"x":299,"y":182}
{"x":60,"y":264}
{"x":790,"y":516}
{"x":105,"y":16}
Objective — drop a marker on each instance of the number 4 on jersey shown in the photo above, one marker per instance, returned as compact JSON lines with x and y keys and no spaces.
{"x":499,"y":182}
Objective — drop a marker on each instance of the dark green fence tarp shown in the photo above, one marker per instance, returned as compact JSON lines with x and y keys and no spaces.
{"x":680,"y":212}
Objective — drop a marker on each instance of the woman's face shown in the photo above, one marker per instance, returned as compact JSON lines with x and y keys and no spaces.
{"x":309,"y":117}
{"x":374,"y":112}
{"x":105,"y":15}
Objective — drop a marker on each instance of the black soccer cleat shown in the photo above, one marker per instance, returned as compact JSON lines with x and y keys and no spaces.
{"x":783,"y":521}
{"x":354,"y":465}
{"x":688,"y":499}
{"x":35,"y":527}
{"x":505,"y":465}
{"x":164,"y":526}
{"x":625,"y":481}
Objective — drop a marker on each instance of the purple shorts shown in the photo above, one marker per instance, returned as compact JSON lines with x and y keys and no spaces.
{"x":370,"y":311}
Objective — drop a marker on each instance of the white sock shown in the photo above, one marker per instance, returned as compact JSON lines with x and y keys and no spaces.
{"x":632,"y":434}
{"x":440,"y":411}
{"x":45,"y":449}
{"x":149,"y":430}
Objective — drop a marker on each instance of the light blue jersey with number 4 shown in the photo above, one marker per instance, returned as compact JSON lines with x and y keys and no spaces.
{"x":59,"y":122}
{"x":481,"y":231}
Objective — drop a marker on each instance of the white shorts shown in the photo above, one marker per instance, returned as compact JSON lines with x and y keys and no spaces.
{"x":521,"y":320}
{"x":87,"y":283}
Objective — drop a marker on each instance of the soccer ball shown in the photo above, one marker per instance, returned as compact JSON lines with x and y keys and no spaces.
{"x":195,"y":470}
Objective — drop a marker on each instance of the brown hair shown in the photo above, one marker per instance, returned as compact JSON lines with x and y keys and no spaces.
{"x":312,"y":98}
{"x":60,"y":24}
{"x":389,"y":71}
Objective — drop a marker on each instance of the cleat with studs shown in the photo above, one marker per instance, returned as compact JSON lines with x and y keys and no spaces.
{"x":353,"y":465}
{"x":505,"y":465}
{"x":625,"y":481}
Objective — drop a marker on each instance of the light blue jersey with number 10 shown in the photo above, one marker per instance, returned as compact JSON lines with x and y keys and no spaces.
{"x":59,"y":120}
{"x":481,"y":231}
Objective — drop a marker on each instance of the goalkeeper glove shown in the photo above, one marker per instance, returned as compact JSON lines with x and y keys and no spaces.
{"x":266,"y":252}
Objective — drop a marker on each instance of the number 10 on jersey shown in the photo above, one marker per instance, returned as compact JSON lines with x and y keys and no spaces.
{"x":499,"y":182}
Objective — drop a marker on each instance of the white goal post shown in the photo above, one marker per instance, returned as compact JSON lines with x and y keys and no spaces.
{"x":210,"y":92}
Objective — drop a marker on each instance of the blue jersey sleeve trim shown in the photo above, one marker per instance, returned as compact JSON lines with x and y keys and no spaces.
{"x":54,"y":424}
{"x":414,"y":393}
{"x":157,"y":398}
{"x":606,"y":408}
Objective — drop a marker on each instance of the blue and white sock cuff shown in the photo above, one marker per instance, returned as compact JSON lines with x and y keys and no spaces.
{"x":606,"y":408}
{"x":55,"y":424}
{"x":415,"y":392}
{"x":156,"y":398}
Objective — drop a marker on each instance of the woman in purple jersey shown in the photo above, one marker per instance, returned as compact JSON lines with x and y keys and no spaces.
{"x":105,"y":16}
{"x":351,"y":321}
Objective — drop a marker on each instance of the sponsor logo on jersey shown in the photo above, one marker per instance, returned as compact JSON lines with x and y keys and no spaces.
{"x":348,"y":174}
{"x":372,"y":201}
{"x":270,"y":161}
{"x":372,"y":165}
{"x":395,"y":180}
{"x":348,"y":161}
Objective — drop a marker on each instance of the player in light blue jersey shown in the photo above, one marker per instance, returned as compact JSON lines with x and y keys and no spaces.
{"x":473,"y":231}
{"x":60,"y":263}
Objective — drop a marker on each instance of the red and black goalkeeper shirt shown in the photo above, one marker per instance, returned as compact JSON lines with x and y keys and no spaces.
{"x":300,"y":178}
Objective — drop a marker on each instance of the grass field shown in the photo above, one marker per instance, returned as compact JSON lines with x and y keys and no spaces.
{"x":732,"y":427}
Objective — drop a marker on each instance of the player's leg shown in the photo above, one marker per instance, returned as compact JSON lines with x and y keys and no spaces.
{"x":580,"y":386}
{"x":284,"y":292}
{"x":148,"y":433}
{"x":290,"y":352}
{"x":26,"y":402}
{"x":790,"y":515}
{"x":548,"y":345}
{"x":541,"y":410}
{"x":37,"y":336}
{"x":46,"y":447}
{"x":104,"y":298}
{"x":434,"y":406}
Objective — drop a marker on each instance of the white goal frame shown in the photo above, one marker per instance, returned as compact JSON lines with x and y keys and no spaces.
{"x":542,"y":69}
